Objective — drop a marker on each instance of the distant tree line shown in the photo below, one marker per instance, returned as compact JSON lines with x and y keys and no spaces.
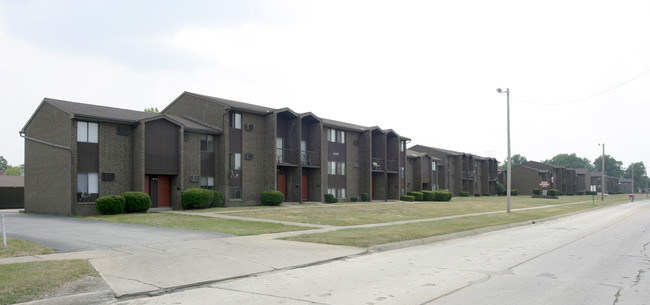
{"x":613,"y":167}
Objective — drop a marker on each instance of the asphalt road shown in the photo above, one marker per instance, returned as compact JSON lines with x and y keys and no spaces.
{"x":71,"y":234}
{"x":598,"y":257}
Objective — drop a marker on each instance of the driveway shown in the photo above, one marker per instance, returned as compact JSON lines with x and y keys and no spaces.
{"x":71,"y":234}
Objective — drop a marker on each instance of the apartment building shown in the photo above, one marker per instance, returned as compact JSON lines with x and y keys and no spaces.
{"x":76,"y":152}
{"x":463,"y":172}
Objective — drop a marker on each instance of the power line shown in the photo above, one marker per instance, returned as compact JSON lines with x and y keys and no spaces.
{"x":585,"y":98}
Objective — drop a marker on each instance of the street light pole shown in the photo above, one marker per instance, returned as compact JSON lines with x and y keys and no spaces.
{"x":602,"y":180}
{"x":509,"y":173}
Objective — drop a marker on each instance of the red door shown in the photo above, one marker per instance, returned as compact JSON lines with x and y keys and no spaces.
{"x":159,"y":189}
{"x":305,"y":187}
{"x":282,"y":184}
{"x":164,"y":191}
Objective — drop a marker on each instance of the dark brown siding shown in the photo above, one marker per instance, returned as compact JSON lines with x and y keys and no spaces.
{"x":87,"y":157}
{"x":161,"y":148}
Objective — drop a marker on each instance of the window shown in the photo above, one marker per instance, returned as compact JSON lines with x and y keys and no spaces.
{"x":433,"y":166}
{"x":235,"y":161}
{"x":88,"y":183}
{"x":235,"y":120}
{"x":402,"y":146}
{"x":87,"y":132}
{"x":337,"y":192}
{"x":402,"y":172}
{"x":207,"y":143}
{"x":337,"y":136}
{"x":279,"y":150}
{"x":336,"y":168}
{"x":235,"y":193}
{"x":207,"y":183}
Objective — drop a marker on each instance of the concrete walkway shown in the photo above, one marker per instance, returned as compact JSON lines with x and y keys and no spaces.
{"x":159,"y":268}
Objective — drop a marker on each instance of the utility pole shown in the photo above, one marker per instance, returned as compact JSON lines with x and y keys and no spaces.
{"x":602,"y":179}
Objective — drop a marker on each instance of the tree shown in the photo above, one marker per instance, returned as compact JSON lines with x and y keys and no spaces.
{"x":3,"y":163}
{"x":152,"y":110}
{"x":613,"y":168}
{"x":570,"y":161}
{"x":14,"y":170}
{"x":517,"y":159}
{"x":640,"y":174}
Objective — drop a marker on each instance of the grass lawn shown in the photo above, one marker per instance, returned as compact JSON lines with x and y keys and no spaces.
{"x":366,"y":237}
{"x":24,"y":282}
{"x":178,"y":221}
{"x":17,"y":247}
{"x":347,"y":214}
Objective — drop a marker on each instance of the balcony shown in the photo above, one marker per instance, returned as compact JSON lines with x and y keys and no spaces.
{"x":378,"y":164}
{"x":310,"y":158}
{"x":286,"y":156}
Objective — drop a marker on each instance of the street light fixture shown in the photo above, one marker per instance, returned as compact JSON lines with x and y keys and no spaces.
{"x":602,"y":180}
{"x":509,"y":173}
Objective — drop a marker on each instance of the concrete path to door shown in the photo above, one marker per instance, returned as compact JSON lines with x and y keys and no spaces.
{"x":72,"y":234}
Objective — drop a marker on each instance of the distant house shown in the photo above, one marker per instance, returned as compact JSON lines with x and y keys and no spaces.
{"x":464,"y":172}
{"x":525,"y":179}
{"x":626,"y":185}
{"x":12,"y":192}
{"x":583,"y":180}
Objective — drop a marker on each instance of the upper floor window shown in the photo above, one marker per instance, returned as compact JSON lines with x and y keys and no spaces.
{"x":433,"y":166}
{"x":207,"y":143}
{"x":87,"y":132}
{"x":334,"y":135}
{"x":207,"y":183}
{"x":235,"y":161}
{"x":402,"y":146}
{"x":235,"y":120}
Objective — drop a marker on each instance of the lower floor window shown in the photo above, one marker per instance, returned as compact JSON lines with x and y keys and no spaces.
{"x":235,"y":193}
{"x":337,"y":192}
{"x":88,"y":183}
{"x":207,"y":183}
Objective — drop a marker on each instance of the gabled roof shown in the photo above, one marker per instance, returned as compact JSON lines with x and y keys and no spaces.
{"x":447,"y":152}
{"x":239,"y":106}
{"x":539,"y":170}
{"x":81,"y":111}
{"x":343,"y":125}
{"x":417,"y":154}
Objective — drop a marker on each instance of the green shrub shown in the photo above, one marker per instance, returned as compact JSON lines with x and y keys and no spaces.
{"x":487,"y":194}
{"x":271,"y":198}
{"x":442,"y":195}
{"x":428,"y":196}
{"x":407,"y":198}
{"x":501,"y":190}
{"x":569,"y":194}
{"x":591,"y":193}
{"x":477,"y":195}
{"x":217,"y":201}
{"x":365,"y":197}
{"x":136,"y":202}
{"x":354,"y":199}
{"x":553,"y":192}
{"x":419,"y":196}
{"x":196,"y":198}
{"x":108,"y":205}
{"x":514,"y":192}
{"x":537,"y":192}
{"x":463,"y":194}
{"x":329,"y":198}
{"x":580,"y":193}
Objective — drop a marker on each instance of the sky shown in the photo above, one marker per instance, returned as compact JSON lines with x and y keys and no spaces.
{"x":578,"y":71}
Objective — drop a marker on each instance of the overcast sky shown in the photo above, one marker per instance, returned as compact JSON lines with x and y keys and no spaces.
{"x":578,"y":71}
